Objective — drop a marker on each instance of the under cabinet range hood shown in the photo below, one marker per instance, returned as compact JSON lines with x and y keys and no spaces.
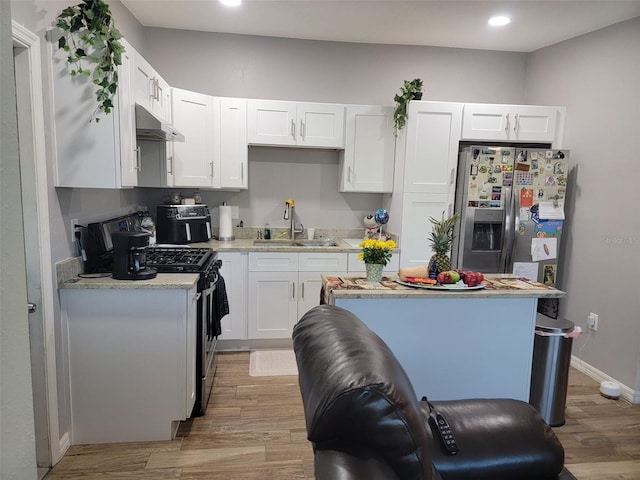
{"x":150,"y":127}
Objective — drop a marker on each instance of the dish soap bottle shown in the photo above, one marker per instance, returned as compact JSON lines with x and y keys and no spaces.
{"x":267,"y":232}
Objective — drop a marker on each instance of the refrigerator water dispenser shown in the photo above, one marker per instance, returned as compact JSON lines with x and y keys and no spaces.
{"x":487,"y":230}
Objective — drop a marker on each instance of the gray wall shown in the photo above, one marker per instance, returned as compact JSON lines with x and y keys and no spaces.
{"x":315,"y":71}
{"x":276,"y":68}
{"x":17,"y":440}
{"x":597,"y":77}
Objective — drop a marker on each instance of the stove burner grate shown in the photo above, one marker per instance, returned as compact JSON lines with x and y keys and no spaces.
{"x":167,"y":259}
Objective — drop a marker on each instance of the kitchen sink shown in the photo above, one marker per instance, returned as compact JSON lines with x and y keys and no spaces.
{"x":295,"y":243}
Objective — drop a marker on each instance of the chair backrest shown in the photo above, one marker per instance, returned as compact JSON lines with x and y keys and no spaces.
{"x":355,"y":391}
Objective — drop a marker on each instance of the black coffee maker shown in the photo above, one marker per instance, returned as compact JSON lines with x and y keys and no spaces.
{"x":129,"y":256}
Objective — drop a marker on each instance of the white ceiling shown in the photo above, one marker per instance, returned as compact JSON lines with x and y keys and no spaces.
{"x":444,"y":23}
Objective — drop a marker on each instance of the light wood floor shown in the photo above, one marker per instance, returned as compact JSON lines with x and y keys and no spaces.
{"x":254,"y":430}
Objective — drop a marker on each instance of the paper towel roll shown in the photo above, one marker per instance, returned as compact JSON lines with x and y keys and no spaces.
{"x":226,"y":224}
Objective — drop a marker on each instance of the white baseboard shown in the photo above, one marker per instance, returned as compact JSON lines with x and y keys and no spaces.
{"x":626,"y":393}
{"x":63,"y":445}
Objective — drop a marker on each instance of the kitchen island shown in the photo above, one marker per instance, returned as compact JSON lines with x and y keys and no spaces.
{"x":453,"y":344}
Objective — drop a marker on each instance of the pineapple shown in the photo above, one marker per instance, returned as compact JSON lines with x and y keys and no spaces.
{"x":440,"y":240}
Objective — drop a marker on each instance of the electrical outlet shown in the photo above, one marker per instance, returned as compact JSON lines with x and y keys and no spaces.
{"x":74,"y":222}
{"x":592,"y":321}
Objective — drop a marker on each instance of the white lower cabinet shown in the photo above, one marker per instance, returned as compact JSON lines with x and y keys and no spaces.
{"x":285,"y":285}
{"x":234,"y":272}
{"x":131,"y":361}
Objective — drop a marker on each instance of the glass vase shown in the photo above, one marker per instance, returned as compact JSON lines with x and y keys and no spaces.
{"x":374,"y":272}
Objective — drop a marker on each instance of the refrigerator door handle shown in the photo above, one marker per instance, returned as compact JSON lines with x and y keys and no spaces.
{"x":506,"y":230}
{"x":514,"y":231}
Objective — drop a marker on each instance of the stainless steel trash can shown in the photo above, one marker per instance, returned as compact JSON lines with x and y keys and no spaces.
{"x":550,"y":370}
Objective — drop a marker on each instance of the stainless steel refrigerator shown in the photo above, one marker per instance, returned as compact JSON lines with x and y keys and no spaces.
{"x":511,"y":205}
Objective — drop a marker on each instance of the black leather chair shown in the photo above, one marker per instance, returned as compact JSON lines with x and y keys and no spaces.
{"x":366,"y":422}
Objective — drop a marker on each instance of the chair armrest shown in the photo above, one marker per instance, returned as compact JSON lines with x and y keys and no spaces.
{"x":497,"y":438}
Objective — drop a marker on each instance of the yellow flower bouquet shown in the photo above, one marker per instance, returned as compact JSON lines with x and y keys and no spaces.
{"x":376,"y":251}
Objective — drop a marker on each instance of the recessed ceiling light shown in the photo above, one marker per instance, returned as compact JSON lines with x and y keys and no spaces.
{"x":499,"y":21}
{"x":231,"y":3}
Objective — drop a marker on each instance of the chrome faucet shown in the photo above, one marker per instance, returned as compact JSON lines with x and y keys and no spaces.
{"x":289,"y":214}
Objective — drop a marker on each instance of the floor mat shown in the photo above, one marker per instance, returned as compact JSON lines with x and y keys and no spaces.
{"x":270,"y":363}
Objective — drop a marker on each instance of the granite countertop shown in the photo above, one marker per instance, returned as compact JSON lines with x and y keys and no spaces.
{"x":67,"y":272}
{"x":497,"y":286}
{"x":161,"y":281}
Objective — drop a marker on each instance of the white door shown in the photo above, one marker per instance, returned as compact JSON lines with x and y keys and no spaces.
{"x":271,"y":122}
{"x":534,"y":123}
{"x":368,"y":157}
{"x":320,"y":125}
{"x":416,"y":227}
{"x":272,"y":304}
{"x":234,"y":151}
{"x":35,"y":220}
{"x":433,"y":135}
{"x":486,"y":122}
{"x":143,"y":80}
{"x":234,"y":272}
{"x":196,"y":161}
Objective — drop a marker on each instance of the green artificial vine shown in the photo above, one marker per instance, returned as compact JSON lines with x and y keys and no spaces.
{"x":410,"y":90}
{"x":90,"y":37}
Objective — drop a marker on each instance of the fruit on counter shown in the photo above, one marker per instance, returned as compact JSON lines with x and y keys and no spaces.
{"x":430,"y":281}
{"x":417,"y":271}
{"x":444,"y":277}
{"x":440,"y":239}
{"x":448,"y":276}
{"x":471,"y":278}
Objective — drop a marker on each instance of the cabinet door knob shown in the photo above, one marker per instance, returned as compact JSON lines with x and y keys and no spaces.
{"x":506,"y":127}
{"x":293,"y":129}
{"x":516,"y":124}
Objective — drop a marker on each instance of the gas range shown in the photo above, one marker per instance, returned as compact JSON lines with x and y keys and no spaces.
{"x":179,"y":259}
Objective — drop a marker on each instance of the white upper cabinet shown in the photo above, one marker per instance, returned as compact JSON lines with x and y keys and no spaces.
{"x":94,"y":154}
{"x":431,"y":148}
{"x":231,"y":136}
{"x":151,"y":90}
{"x":519,"y":123}
{"x":368,"y":157}
{"x":196,"y":161}
{"x":214,"y":153}
{"x":318,"y":125}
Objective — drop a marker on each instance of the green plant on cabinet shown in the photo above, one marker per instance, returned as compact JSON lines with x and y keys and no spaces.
{"x":411,"y":90}
{"x":89,"y":37}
